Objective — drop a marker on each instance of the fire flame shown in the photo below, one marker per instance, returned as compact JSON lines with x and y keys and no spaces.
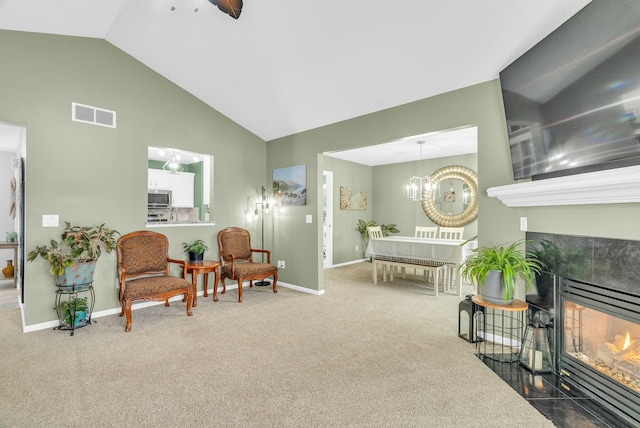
{"x":627,"y":341}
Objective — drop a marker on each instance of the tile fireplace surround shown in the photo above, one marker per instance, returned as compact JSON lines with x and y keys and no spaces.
{"x":592,"y":274}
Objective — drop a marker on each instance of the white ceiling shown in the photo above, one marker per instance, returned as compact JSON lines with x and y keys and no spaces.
{"x":286,"y":66}
{"x":434,"y":145}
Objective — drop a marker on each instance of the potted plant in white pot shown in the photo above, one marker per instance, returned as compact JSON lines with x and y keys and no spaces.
{"x":72,"y":260}
{"x":195,"y":250}
{"x":495,"y":269}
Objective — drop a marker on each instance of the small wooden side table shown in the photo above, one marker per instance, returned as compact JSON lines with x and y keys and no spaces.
{"x":499,"y":329}
{"x":204,"y":267}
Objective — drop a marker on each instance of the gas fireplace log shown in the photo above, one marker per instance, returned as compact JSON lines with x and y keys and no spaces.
{"x":630,"y":352}
{"x":609,"y":352}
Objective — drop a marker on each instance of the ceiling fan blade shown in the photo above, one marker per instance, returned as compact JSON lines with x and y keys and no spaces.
{"x":233,"y":8}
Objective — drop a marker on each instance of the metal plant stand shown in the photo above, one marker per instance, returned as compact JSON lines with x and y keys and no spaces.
{"x":75,"y":319}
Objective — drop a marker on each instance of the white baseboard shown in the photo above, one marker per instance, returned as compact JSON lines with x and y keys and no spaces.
{"x":353,"y":262}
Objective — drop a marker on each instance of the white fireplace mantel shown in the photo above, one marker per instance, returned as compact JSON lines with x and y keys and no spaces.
{"x":613,"y":186}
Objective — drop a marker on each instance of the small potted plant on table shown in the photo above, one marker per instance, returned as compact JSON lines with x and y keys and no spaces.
{"x":195,"y":250}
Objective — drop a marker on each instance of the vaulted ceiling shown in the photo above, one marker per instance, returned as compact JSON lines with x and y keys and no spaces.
{"x":286,"y":66}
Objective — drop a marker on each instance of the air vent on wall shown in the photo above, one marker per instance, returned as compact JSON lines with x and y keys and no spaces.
{"x":93,"y":115}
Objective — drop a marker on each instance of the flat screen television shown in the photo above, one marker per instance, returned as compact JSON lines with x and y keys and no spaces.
{"x":572,"y":102}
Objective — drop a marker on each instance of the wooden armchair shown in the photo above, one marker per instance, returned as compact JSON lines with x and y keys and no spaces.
{"x":145,"y":254}
{"x":236,"y":261}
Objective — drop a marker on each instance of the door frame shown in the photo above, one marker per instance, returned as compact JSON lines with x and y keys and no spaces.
{"x":327,"y":221}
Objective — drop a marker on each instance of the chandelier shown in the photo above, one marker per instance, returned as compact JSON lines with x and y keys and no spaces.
{"x":417,"y":188}
{"x":173,"y":165}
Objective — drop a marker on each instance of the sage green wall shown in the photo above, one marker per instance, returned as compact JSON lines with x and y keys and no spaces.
{"x":479,"y":105}
{"x":389,"y":205}
{"x":356,"y":177}
{"x":91,"y":174}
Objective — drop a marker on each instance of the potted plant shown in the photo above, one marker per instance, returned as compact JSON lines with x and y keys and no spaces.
{"x":195,"y":250}
{"x":494,"y":270}
{"x":76,"y":306}
{"x":72,"y":259}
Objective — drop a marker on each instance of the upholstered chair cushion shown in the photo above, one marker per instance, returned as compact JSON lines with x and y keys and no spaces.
{"x":138,"y":289}
{"x":237,"y":243}
{"x":146,"y":253}
{"x":245,"y":269}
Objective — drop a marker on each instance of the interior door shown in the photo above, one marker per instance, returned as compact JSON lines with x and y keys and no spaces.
{"x":327,"y":219}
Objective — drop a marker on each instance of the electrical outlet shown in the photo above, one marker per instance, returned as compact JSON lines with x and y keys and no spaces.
{"x":356,"y":248}
{"x":281,"y":264}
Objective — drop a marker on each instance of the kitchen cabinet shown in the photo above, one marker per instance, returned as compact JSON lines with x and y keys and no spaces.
{"x":181,"y":186}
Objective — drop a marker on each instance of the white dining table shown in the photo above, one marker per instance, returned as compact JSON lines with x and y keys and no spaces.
{"x":408,"y":249}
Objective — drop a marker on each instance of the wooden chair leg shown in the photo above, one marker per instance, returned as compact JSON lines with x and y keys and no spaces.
{"x":189,"y":303}
{"x":215,"y":289}
{"x":127,"y":310}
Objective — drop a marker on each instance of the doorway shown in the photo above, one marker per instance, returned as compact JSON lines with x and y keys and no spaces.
{"x":12,"y":150}
{"x":327,"y":219}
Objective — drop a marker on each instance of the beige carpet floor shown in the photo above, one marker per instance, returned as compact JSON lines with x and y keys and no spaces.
{"x":360,"y":355}
{"x":8,"y":295}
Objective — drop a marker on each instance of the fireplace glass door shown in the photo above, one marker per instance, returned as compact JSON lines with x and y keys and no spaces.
{"x":608,"y":344}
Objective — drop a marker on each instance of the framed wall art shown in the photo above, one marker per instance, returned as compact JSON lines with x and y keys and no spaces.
{"x":352,"y":200}
{"x":290,"y":186}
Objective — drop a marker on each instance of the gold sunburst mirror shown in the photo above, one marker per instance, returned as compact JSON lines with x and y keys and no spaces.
{"x":453,"y":201}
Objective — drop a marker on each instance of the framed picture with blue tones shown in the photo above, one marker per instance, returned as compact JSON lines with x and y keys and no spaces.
{"x":290,"y":186}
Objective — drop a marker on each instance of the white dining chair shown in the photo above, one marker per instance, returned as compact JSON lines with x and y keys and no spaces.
{"x":426,"y":231}
{"x":374,"y":233}
{"x":451,"y":232}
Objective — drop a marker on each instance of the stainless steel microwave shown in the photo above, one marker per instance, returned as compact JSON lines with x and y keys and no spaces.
{"x":158,"y":198}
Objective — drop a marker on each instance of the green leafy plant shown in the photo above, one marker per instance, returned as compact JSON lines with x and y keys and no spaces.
{"x":387,"y":229}
{"x":511,"y":260}
{"x":72,"y":306}
{"x":198,"y":247}
{"x":77,"y":244}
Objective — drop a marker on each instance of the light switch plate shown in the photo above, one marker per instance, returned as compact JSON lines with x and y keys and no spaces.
{"x":309,"y":218}
{"x":523,"y":224}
